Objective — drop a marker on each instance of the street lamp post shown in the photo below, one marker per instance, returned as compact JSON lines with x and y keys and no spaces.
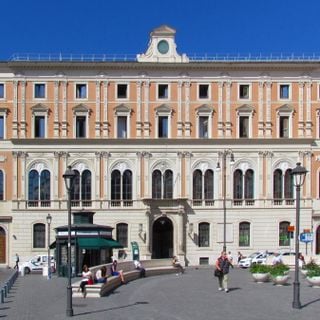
{"x":68,"y":177}
{"x":223,"y":155}
{"x":299,"y":174}
{"x":49,"y":219}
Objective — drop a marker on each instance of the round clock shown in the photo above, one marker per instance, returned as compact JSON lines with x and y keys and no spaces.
{"x":163,"y":46}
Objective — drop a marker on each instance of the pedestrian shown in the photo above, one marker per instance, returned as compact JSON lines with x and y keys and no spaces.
{"x":17,"y":259}
{"x":302,"y":262}
{"x":101,"y":275}
{"x":139,"y":266}
{"x":240,"y":256}
{"x":230,"y":257}
{"x":277,"y":259}
{"x":176,"y":264}
{"x":223,"y":264}
{"x":115,"y":272}
{"x":86,"y":278}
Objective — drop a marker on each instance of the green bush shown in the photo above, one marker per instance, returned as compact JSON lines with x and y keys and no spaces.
{"x":279,"y":270}
{"x":314,"y":272}
{"x":259,"y":268}
{"x":310,"y":265}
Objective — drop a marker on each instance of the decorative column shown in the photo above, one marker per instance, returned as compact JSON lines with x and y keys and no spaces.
{"x":23,"y":110}
{"x":98,"y":174}
{"x":268,"y":128}
{"x":97,"y":123}
{"x":179,"y":123}
{"x":187,"y":124}
{"x":220,"y":110}
{"x":260,"y":110}
{"x":228,"y":107}
{"x":147,"y":174}
{"x":308,"y":128}
{"x":269,"y":174}
{"x":105,"y":128}
{"x":305,"y":158}
{"x":23,"y":156}
{"x":16,"y":155}
{"x":15,"y":110}
{"x":146,"y":123}
{"x":187,"y":193}
{"x":106,"y":174}
{"x":56,"y":175}
{"x":56,"y":110}
{"x":139,"y":124}
{"x":180,"y":156}
{"x":64,"y":125}
{"x":138,"y":180}
{"x":301,"y":123}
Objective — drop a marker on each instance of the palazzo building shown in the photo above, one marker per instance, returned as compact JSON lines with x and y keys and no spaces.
{"x":169,"y":150}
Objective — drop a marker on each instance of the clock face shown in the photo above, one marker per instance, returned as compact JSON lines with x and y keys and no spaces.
{"x":163,"y":47}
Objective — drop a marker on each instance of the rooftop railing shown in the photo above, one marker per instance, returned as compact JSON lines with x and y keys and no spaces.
{"x":228,"y":57}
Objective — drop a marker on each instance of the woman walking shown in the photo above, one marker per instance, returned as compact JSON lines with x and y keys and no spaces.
{"x":223,"y":264}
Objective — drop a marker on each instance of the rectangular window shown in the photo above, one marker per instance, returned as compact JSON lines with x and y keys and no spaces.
{"x":163,"y":91}
{"x":284,"y":127}
{"x":244,"y":234}
{"x":203,"y":127}
{"x":163,"y":127}
{"x":1,"y":127}
{"x":39,"y":126}
{"x":203,"y":91}
{"x":81,"y":91}
{"x":39,"y":90}
{"x":244,"y":127}
{"x":244,"y":91}
{"x":284,"y":91}
{"x":203,"y":261}
{"x":80,"y":127}
{"x":122,"y":91}
{"x":1,"y":90}
{"x":122,"y":127}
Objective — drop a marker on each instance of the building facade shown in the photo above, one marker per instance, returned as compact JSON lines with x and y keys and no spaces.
{"x":176,"y":154}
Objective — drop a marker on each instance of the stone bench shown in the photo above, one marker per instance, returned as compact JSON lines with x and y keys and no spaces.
{"x":152,"y":267}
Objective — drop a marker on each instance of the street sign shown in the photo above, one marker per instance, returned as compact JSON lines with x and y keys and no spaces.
{"x":290,"y":228}
{"x":306,"y":237}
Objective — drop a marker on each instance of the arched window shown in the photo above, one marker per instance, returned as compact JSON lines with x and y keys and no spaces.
{"x":121,"y":188}
{"x":244,"y":234}
{"x":204,"y":234}
{"x":122,"y":234}
{"x":39,"y":235}
{"x":197,"y":185}
{"x":288,"y":184}
{"x":284,"y":238}
{"x":156,"y":184}
{"x":162,"y":184}
{"x":208,"y":185}
{"x":277,"y":184}
{"x":39,"y":188}
{"x":1,"y":185}
{"x":81,"y":189}
{"x":249,"y":184}
{"x":237,"y":184}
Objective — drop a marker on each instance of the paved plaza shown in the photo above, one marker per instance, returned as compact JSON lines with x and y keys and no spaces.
{"x":193,"y":295}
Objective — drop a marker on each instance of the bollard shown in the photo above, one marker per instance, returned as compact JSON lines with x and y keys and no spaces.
{"x":5,"y":291}
{"x":8,"y":286}
{"x":2,"y":295}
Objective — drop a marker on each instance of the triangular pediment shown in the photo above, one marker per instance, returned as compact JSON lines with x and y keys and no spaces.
{"x":285,"y":108}
{"x":163,"y":30}
{"x":122,"y":108}
{"x":205,"y":108}
{"x":80,"y":108}
{"x":245,"y":108}
{"x":163,"y":108}
{"x":39,"y":108}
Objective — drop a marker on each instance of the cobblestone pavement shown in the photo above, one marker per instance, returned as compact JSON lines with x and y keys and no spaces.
{"x":191,"y":296}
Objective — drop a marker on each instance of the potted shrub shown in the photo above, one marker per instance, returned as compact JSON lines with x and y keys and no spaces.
{"x":313,"y":276}
{"x":279,"y":274}
{"x":308,"y":266}
{"x":260,"y":272}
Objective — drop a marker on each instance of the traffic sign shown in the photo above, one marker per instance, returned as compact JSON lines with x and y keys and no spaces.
{"x":290,"y":228}
{"x":306,"y":237}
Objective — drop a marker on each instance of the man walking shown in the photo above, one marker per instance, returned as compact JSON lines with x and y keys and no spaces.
{"x":17,"y":262}
{"x":223,"y":264}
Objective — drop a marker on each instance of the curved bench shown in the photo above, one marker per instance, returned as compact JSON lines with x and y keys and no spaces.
{"x":152,"y":267}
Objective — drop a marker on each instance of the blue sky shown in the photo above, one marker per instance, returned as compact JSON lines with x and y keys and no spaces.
{"x":123,"y":26}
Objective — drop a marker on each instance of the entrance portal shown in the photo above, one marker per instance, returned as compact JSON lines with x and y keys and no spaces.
{"x":2,"y":245}
{"x":162,"y":239}
{"x":318,"y":240}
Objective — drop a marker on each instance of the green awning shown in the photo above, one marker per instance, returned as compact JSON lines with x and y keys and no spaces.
{"x":98,"y":243}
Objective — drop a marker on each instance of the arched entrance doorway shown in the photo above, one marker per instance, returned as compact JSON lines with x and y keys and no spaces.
{"x":162,"y":238}
{"x":318,"y":240}
{"x":2,"y":245}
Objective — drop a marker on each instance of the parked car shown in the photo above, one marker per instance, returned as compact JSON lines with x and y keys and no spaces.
{"x":259,"y":257}
{"x":37,"y":263}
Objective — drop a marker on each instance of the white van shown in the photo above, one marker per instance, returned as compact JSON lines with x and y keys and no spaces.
{"x":36,"y":264}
